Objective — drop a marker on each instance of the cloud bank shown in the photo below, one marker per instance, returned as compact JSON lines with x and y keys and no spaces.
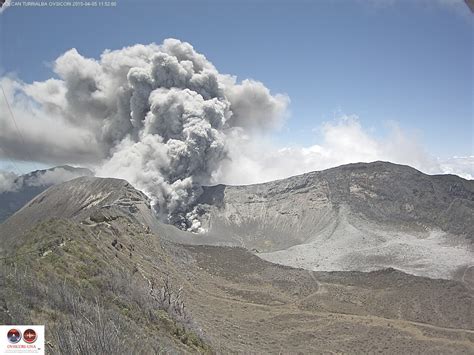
{"x":163,"y":118}
{"x":344,"y":141}
{"x":11,"y":182}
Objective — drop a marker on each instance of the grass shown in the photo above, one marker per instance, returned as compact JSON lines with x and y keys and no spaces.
{"x":63,"y":276}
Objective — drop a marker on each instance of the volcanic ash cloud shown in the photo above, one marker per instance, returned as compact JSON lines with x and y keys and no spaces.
{"x":157,"y":115}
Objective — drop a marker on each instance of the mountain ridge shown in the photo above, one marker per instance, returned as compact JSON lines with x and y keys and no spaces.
{"x":361,"y":217}
{"x":383,"y":211}
{"x":89,"y":255}
{"x":346,"y":189}
{"x":29,"y":185}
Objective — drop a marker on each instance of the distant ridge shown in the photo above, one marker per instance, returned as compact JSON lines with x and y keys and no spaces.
{"x":362,"y":217}
{"x":32,"y":184}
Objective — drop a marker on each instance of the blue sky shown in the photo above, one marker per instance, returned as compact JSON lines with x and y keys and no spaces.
{"x":404,"y":61}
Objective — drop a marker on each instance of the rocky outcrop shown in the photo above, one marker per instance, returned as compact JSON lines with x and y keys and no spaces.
{"x":360,"y":217}
{"x":354,"y":217}
{"x":85,"y":199}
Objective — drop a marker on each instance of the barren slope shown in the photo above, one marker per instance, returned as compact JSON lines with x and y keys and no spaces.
{"x":32,"y":184}
{"x":355,"y":217}
{"x":99,"y":267}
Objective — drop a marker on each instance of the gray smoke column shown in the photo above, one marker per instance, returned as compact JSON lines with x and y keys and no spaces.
{"x":160,"y":117}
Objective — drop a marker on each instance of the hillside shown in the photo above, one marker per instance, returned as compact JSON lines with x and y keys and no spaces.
{"x":87,"y":263}
{"x":354,"y":217}
{"x":30,"y":185}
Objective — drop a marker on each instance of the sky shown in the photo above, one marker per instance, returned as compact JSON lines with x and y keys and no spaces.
{"x":377,"y":64}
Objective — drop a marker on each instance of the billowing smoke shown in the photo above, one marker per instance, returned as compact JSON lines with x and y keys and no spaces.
{"x":156,"y":115}
{"x":163,"y":118}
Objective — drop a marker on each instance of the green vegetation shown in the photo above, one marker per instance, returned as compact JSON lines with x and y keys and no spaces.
{"x":91,"y":301}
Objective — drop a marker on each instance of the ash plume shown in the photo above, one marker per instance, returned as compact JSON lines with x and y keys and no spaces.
{"x":163,"y":118}
{"x":156,"y":115}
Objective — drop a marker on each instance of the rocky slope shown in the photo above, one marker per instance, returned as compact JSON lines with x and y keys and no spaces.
{"x":87,"y":263}
{"x":360,"y":217}
{"x":354,"y":217}
{"x":30,"y":185}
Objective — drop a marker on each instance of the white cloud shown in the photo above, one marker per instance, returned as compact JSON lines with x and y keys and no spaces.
{"x":54,"y":176}
{"x":462,"y":166}
{"x":10,"y":182}
{"x":48,"y":137}
{"x":344,"y":141}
